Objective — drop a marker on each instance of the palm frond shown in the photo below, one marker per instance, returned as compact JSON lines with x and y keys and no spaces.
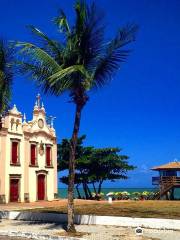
{"x":90,"y":31}
{"x":35,"y":72}
{"x":114,"y":55}
{"x":62,"y":22}
{"x":81,"y":12}
{"x":51,"y":46}
{"x":38,"y":56}
{"x":6,"y":74}
{"x":58,"y":76}
{"x":40,"y":75}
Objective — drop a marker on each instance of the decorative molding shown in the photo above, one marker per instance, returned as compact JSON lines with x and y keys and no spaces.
{"x":33,"y":142}
{"x":48,"y":145}
{"x":41,"y":172}
{"x":15,"y":139}
{"x":49,"y":166}
{"x":15,"y":115}
{"x":14,"y":133}
{"x":15,"y":164}
{"x":41,"y":149}
{"x":33,"y":166}
{"x":40,"y":132}
{"x":26,"y":138}
{"x":3,"y":131}
{"x":15,"y":176}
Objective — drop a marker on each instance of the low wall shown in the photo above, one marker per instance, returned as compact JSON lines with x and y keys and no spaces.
{"x":95,"y":220}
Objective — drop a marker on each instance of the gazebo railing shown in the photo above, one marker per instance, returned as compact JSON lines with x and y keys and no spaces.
{"x":167,"y":180}
{"x":170,"y":180}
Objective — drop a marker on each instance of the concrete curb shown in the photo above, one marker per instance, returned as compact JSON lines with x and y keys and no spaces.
{"x":154,"y":223}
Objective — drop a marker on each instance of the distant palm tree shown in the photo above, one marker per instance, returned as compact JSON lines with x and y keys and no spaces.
{"x":77,"y":63}
{"x":6,"y":74}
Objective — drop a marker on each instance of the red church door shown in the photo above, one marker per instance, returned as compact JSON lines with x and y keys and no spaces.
{"x":14,"y":190}
{"x":41,"y":187}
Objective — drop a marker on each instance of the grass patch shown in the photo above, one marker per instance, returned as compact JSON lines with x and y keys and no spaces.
{"x":145,"y":209}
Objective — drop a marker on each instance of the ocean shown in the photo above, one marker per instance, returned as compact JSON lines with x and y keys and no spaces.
{"x":62,"y":192}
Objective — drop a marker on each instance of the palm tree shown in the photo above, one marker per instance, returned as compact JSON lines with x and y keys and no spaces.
{"x":78,"y":62}
{"x":6,"y":74}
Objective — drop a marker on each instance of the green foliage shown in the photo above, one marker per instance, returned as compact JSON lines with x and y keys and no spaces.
{"x":6,"y":74}
{"x":98,"y":196}
{"x":125,"y":195}
{"x":63,"y":152}
{"x":142,"y":195}
{"x":146,"y":195}
{"x":133,"y":196}
{"x":136,"y":194}
{"x":109,"y":164}
{"x":118,"y":194}
{"x":93,"y":166}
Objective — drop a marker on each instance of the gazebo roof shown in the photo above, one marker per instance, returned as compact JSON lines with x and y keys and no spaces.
{"x":168,"y":166}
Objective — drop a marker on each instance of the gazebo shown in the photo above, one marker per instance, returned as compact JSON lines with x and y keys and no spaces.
{"x":168,"y":179}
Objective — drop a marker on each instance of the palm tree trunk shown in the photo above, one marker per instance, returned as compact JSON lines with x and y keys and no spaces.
{"x":94,"y":187}
{"x":70,"y":226}
{"x":89,"y":191}
{"x":78,"y":192}
{"x":100,"y":185}
{"x":85,"y":190}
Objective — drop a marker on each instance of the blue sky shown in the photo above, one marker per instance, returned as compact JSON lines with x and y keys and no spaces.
{"x":139,"y":110}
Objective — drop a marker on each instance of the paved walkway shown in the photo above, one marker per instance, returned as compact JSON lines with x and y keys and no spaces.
{"x":90,"y":232}
{"x":10,"y":238}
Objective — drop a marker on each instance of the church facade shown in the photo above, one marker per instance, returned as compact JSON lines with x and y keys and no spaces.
{"x":28,"y":157}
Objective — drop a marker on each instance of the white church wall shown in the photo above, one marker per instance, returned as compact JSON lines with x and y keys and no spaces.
{"x":26,"y":133}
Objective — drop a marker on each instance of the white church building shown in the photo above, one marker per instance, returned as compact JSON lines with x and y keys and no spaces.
{"x":28,"y":157}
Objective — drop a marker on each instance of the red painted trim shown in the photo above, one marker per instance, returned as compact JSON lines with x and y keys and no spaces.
{"x":48,"y":156}
{"x":14,"y":190}
{"x":14,"y":152}
{"x":33,"y":154}
{"x":41,"y":187}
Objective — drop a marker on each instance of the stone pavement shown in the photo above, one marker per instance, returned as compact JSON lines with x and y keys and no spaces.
{"x":91,"y":232}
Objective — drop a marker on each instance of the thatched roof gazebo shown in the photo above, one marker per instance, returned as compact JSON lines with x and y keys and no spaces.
{"x":168,"y":179}
{"x":175,"y":166}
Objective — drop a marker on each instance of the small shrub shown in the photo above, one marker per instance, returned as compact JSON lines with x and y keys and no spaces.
{"x":146,"y":195}
{"x":98,"y":196}
{"x":118,"y":195}
{"x":125,"y":195}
